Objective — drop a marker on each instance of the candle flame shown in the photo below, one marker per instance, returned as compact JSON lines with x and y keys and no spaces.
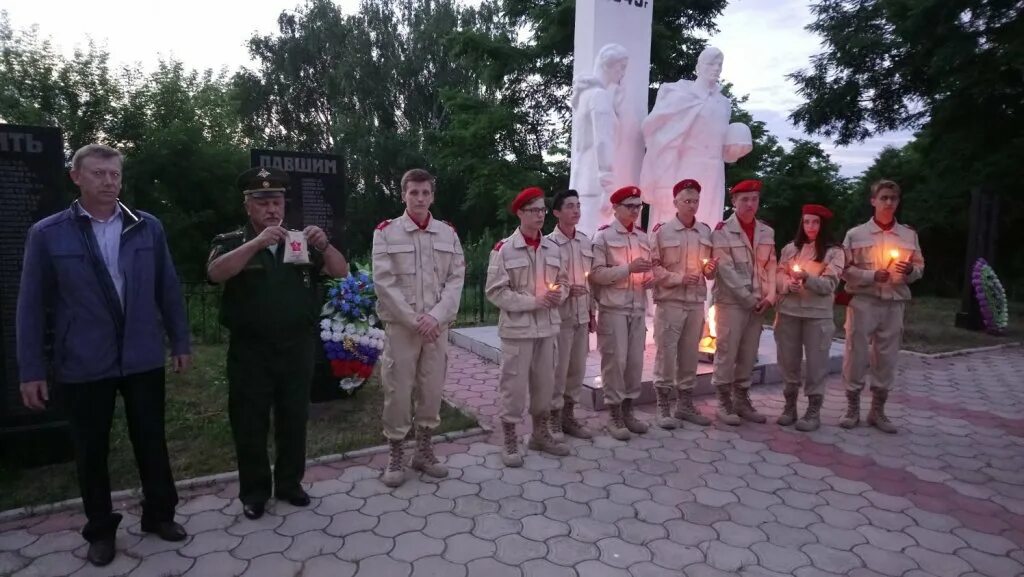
{"x":894,"y":253}
{"x":704,"y":261}
{"x":796,"y":268}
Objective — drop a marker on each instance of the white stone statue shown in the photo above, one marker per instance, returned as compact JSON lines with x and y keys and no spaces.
{"x":597,"y":125}
{"x":688,"y":135}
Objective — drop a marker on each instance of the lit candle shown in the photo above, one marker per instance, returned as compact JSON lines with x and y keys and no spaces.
{"x":893,"y":255}
{"x":796,"y":268}
{"x":553,"y":286}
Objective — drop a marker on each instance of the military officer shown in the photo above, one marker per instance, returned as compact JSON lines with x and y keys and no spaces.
{"x":806,"y":280}
{"x":271,"y":310}
{"x":527,"y":282}
{"x":577,"y":314}
{"x":744,"y":291}
{"x":418,"y":273}
{"x":622,"y":276}
{"x":681,"y":251}
{"x":883,"y":257}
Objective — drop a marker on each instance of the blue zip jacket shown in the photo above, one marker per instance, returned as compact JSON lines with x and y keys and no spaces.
{"x":93,"y":336}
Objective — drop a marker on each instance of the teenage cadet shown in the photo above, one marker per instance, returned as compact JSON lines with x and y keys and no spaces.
{"x":744,"y":291}
{"x":527,"y":282}
{"x":681,"y":251}
{"x":807,"y":277}
{"x":577,"y":314}
{"x":622,"y":274}
{"x":884,"y":258}
{"x":418,"y":273}
{"x":271,"y":309}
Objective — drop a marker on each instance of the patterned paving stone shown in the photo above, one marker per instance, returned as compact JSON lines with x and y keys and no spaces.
{"x":362,"y":545}
{"x":398,"y":522}
{"x":884,"y":562}
{"x":454,"y":488}
{"x":425,"y":505}
{"x":516,"y":549}
{"x":638,"y":532}
{"x":748,"y":516}
{"x":938,"y":563}
{"x":726,"y":557}
{"x":591,"y":530}
{"x":985,"y":542}
{"x":53,"y":543}
{"x":794,"y":517}
{"x":738,"y":535}
{"x":596,"y":568}
{"x":412,"y":546}
{"x":210,"y":542}
{"x":471,"y":505}
{"x":935,"y":540}
{"x":384,"y":565}
{"x":491,"y":568}
{"x":338,"y":503}
{"x":302,"y":522}
{"x":442,"y":525}
{"x":16,"y":539}
{"x":260,"y":543}
{"x":786,"y":536}
{"x":436,"y":567}
{"x":619,"y":553}
{"x":835,"y":537}
{"x":840,"y":518}
{"x":350,"y":522}
{"x":568,"y":552}
{"x":313,"y":544}
{"x":837,"y":561}
{"x":991,"y":564}
{"x":219,"y":563}
{"x":166,"y":563}
{"x":691,"y":534}
{"x":518,"y":508}
{"x":777,"y":558}
{"x":703,"y":514}
{"x":541,"y":491}
{"x":887,"y":519}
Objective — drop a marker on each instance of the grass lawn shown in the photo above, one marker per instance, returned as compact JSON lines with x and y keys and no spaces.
{"x":199,"y":436}
{"x":929,"y":327}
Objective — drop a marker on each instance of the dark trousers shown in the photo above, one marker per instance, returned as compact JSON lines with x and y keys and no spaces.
{"x":265,"y":378}
{"x":90,"y":408}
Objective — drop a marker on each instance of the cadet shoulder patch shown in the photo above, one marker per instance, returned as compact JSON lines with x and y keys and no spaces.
{"x":656,"y":227}
{"x":720,"y":225}
{"x":383,"y":224}
{"x":603,"y":226}
{"x":498,"y":246}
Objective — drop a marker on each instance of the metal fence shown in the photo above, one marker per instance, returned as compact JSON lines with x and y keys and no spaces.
{"x":202,"y":301}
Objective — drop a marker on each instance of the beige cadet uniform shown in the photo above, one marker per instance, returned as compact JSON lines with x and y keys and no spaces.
{"x":577,"y":256}
{"x":804,"y":323}
{"x":516,"y":276}
{"x":622,"y":302}
{"x":415,"y":271}
{"x":745,"y":275}
{"x":874,"y":318}
{"x":679,"y":317}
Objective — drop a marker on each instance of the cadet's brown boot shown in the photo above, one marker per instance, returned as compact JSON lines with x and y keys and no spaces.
{"x":744,"y":408}
{"x":616,"y":427}
{"x":572,"y":427}
{"x":424,"y":459}
{"x":510,"y":454}
{"x":852,"y":417}
{"x":665,"y":420}
{"x":555,"y":423}
{"x":788,"y":416}
{"x":629,"y":419}
{"x":876,"y":416}
{"x":541,"y":439}
{"x":685,"y":411}
{"x":393,"y":475}
{"x":812,"y":416}
{"x":726,"y":412}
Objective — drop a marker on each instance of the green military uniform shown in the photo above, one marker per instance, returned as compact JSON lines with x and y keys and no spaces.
{"x":271,"y":310}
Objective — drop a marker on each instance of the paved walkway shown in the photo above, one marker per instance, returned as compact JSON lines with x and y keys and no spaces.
{"x":945,"y":497}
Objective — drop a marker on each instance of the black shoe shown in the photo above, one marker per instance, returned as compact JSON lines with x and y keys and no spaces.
{"x":253,"y":510}
{"x":166,"y":530}
{"x":101,"y":552}
{"x":296,"y":499}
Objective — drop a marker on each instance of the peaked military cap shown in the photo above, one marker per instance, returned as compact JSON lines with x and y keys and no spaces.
{"x":262,"y":182}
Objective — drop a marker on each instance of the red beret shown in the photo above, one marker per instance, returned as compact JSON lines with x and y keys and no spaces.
{"x":746,"y":186}
{"x":683,"y":185}
{"x":525,"y":197}
{"x":817,"y":210}
{"x":624,"y":193}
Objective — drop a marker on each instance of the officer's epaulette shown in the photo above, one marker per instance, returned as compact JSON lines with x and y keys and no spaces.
{"x":656,"y":227}
{"x":498,"y":246}
{"x":603,"y":226}
{"x":229,"y":236}
{"x":720,"y":225}
{"x":383,"y":224}
{"x":450,"y":224}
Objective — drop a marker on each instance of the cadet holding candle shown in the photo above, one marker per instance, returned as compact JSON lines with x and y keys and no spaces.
{"x":809,"y":271}
{"x":874,"y":319}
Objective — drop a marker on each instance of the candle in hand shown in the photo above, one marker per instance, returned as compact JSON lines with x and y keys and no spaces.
{"x":553,"y":286}
{"x":796,"y":268}
{"x":893,"y":255}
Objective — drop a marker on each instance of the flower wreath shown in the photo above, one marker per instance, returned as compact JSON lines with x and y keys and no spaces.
{"x":991,"y":297}
{"x":350,"y":330}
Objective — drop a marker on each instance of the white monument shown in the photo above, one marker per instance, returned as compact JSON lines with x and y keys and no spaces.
{"x":611,"y":71}
{"x":688,"y":135}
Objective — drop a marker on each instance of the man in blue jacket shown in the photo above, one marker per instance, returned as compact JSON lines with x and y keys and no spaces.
{"x":100,"y":277}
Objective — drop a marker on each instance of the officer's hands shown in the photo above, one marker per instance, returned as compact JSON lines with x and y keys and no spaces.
{"x":552,"y":298}
{"x":798,"y":275}
{"x":35,"y":394}
{"x":649,"y":282}
{"x":795,"y":286}
{"x":710,"y":268}
{"x":691,"y":279}
{"x":428,"y":327}
{"x":316,"y":237}
{"x":904,"y":268}
{"x":578,"y":290}
{"x":271,"y":236}
{"x":640,"y":265}
{"x":181,"y":363}
{"x":882,"y":276}
{"x":762,"y":305}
